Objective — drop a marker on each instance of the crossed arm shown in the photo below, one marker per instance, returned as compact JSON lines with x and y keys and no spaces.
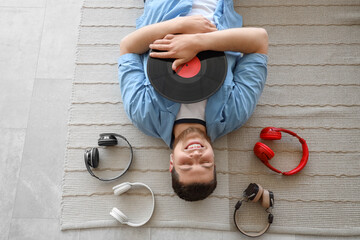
{"x":183,"y":37}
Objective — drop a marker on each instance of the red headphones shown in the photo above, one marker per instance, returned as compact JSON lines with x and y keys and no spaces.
{"x":264,"y":153}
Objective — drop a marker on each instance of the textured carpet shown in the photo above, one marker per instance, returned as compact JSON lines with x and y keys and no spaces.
{"x":313,"y":88}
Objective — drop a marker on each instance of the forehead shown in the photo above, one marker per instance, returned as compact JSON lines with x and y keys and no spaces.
{"x":195,"y":176}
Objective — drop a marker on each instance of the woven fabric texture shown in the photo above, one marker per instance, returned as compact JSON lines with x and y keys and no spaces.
{"x":313,"y":89}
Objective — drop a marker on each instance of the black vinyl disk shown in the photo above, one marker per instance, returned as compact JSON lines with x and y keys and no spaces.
{"x":192,"y":82}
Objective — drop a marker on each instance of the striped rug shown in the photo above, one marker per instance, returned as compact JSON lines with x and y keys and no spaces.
{"x":313,"y":88}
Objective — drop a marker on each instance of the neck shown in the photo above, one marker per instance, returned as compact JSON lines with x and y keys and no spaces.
{"x":179,"y":128}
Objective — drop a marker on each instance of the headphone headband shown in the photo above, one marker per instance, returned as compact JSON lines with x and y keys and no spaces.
{"x":121,"y":217}
{"x":288,"y":132}
{"x":92,"y":154}
{"x":253,"y":193}
{"x":264,"y":153}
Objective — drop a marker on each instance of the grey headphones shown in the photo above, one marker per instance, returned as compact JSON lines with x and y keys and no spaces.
{"x":91,"y":155}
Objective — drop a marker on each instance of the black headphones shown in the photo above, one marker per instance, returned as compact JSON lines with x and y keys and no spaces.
{"x":254,"y":193}
{"x":91,"y":155}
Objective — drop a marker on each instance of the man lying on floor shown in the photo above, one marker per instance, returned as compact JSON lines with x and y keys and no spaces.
{"x":180,"y":30}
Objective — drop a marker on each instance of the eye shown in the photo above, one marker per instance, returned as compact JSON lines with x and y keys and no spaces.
{"x":207,"y":164}
{"x":189,"y":163}
{"x":204,"y":161}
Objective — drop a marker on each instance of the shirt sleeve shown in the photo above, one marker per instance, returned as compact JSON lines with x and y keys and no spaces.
{"x":248,"y":83}
{"x":137,"y":94}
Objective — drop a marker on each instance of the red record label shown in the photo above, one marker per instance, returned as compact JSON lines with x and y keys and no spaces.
{"x":189,"y":69}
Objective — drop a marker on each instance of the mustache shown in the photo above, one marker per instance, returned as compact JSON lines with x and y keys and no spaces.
{"x":188,"y":131}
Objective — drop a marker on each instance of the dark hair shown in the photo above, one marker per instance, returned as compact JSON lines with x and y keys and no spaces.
{"x":193,"y":191}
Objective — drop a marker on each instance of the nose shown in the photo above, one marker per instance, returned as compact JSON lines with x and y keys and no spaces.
{"x":195,"y":154}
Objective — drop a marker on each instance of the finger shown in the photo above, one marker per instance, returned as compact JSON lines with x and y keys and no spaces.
{"x":162,"y":41}
{"x":160,"y":47}
{"x":177,"y":63}
{"x":211,"y":24}
{"x":161,"y":54}
{"x":169,"y":36}
{"x":213,"y":29}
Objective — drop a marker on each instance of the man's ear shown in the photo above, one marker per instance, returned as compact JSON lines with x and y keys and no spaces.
{"x":171,"y":163}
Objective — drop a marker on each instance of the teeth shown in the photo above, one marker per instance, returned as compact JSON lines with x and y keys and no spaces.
{"x":194,"y":146}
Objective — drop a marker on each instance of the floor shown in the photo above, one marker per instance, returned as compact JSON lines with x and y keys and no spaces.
{"x":38,"y":49}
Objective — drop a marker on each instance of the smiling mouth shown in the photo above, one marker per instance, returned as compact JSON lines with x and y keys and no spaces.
{"x":192,"y":146}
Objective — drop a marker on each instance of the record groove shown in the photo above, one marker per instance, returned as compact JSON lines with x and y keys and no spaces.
{"x":192,"y":82}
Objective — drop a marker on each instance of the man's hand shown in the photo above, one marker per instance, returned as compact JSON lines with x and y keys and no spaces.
{"x":139,"y":40}
{"x":183,"y":48}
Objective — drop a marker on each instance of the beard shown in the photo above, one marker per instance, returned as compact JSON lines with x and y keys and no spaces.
{"x":188,"y":131}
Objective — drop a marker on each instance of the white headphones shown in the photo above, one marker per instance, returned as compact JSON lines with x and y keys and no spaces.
{"x":120,"y":216}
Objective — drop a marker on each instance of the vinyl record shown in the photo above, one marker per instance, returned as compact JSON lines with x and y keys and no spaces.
{"x":191,"y":82}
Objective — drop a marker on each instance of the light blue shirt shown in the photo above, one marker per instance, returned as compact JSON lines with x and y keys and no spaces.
{"x":228,"y":109}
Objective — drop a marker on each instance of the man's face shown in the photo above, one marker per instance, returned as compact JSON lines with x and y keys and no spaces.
{"x":193,"y":157}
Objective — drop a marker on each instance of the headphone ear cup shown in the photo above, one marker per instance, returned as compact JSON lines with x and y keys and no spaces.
{"x":272,"y":199}
{"x":107,"y":140}
{"x":265,"y":199}
{"x":269,"y":133}
{"x":253,"y":192}
{"x":263,"y":152}
{"x":258,"y":194}
{"x":121,"y":188}
{"x":118,"y":215}
{"x":92,"y":157}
